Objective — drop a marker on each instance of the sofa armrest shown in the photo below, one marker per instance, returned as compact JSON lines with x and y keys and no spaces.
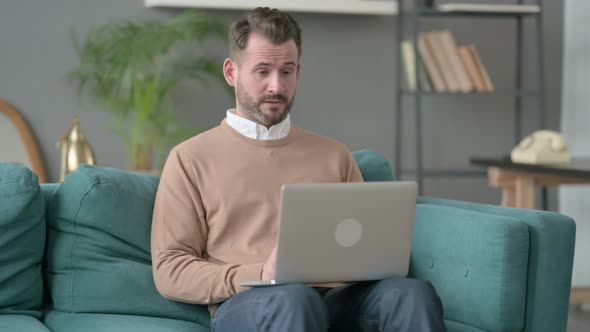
{"x":551,"y":240}
{"x":477,"y":263}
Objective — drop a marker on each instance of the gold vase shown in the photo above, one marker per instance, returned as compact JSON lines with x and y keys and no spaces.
{"x":75,"y":149}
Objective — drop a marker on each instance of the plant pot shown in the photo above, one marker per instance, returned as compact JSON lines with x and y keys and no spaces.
{"x":142,"y":157}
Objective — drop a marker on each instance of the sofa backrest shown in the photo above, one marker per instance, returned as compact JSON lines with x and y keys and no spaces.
{"x":98,"y":250}
{"x":22,"y":241}
{"x":373,"y":165}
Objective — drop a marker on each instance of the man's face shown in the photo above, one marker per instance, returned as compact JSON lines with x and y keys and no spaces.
{"x":265,"y":78}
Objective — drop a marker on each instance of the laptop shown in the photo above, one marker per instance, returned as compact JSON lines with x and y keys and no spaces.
{"x":343,"y":232}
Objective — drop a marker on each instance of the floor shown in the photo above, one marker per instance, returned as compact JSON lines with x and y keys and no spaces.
{"x":579,"y":319}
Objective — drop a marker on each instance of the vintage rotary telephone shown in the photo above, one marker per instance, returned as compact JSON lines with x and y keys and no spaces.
{"x":542,"y":147}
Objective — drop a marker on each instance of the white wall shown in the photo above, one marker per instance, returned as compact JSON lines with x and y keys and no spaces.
{"x":574,"y":201}
{"x":13,"y":150}
{"x":347,"y":87}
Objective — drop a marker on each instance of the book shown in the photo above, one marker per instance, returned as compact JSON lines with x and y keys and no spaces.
{"x":456,"y":65}
{"x":471,"y":68}
{"x":430,"y":65}
{"x":409,"y":61}
{"x":425,"y":82}
{"x":481,"y":69}
{"x":442,"y":60}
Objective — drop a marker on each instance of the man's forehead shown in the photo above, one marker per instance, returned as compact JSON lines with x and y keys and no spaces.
{"x":264,"y":62}
{"x":262,"y":59}
{"x":261,"y":50}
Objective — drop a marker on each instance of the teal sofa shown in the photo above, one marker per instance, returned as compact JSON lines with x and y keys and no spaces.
{"x":75,"y":256}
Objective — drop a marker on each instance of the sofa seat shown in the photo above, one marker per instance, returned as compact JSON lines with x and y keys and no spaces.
{"x":59,"y":321}
{"x":21,"y":323}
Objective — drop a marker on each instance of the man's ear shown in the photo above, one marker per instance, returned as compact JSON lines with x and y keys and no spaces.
{"x":230,"y":72}
{"x":298,"y":69}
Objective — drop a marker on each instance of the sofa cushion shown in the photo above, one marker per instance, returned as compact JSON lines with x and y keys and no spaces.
{"x":477,"y":262}
{"x":373,"y":165}
{"x":99,"y":247}
{"x":21,"y":323}
{"x":67,"y":322}
{"x":552,"y":238}
{"x":22,"y":241}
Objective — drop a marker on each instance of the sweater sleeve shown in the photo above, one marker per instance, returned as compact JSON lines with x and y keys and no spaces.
{"x":354,"y":173}
{"x":179,"y":238}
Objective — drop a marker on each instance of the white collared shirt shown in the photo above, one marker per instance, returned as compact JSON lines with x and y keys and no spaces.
{"x":254,"y":130}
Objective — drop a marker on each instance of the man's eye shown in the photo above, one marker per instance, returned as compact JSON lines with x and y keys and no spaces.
{"x":262,"y":72}
{"x":287,"y":72}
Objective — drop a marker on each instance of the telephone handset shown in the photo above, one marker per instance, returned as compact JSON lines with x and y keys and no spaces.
{"x":542,"y":147}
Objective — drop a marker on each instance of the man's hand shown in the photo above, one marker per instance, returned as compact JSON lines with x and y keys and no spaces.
{"x":270,"y":267}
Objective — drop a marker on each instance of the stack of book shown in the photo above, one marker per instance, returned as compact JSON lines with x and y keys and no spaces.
{"x":446,"y":67}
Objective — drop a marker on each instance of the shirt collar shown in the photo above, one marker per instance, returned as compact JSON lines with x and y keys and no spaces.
{"x":254,"y":130}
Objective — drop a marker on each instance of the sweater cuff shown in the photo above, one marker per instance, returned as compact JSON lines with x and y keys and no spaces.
{"x":250,"y":272}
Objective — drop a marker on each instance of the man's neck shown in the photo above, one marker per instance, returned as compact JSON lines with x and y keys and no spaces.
{"x":253,"y":129}
{"x":245,"y":115}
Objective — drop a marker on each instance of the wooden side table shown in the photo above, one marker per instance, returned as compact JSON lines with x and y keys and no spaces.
{"x":519,"y":181}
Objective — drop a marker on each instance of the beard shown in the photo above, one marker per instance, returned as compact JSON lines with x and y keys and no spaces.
{"x":251,"y":106}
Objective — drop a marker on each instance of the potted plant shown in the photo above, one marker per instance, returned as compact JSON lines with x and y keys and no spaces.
{"x":132,"y":68}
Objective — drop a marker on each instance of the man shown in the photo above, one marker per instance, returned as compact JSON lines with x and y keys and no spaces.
{"x":216,"y":212}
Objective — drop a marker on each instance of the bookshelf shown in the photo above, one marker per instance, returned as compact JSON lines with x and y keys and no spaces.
{"x":420,"y":11}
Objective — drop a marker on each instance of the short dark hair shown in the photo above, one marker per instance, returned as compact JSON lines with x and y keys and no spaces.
{"x":276,"y":26}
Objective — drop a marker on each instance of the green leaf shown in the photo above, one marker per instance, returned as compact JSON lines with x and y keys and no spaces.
{"x":127,"y":67}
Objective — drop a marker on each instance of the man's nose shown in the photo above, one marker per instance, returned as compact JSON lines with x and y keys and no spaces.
{"x":275,"y":85}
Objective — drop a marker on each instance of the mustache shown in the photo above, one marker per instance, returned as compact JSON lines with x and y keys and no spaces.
{"x":267,"y":97}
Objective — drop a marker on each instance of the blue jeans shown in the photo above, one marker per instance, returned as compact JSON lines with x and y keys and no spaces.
{"x":395,"y":304}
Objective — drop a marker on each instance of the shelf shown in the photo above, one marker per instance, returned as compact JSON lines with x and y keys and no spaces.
{"x":464,"y":9}
{"x":498,"y":93}
{"x":426,"y":13}
{"x":448,"y":173}
{"x":360,"y":7}
{"x":516,"y":92}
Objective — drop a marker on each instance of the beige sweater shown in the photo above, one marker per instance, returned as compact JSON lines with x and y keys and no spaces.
{"x":217,"y":207}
